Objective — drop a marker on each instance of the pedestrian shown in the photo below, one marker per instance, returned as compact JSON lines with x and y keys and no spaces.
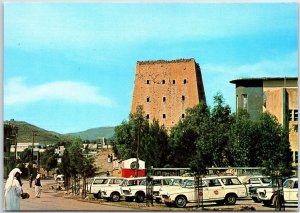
{"x":13,"y":190}
{"x":149,"y":191}
{"x":108,"y":158}
{"x":107,"y":173}
{"x":111,"y":158}
{"x":38,"y":186}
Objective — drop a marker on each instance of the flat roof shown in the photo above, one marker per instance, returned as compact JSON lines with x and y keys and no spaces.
{"x":262,"y":79}
{"x":165,"y":61}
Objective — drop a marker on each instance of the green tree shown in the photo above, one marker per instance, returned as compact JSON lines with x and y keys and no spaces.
{"x":49,"y":159}
{"x":274,"y":153}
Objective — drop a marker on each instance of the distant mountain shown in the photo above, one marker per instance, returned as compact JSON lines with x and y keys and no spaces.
{"x":41,"y":136}
{"x":95,"y":133}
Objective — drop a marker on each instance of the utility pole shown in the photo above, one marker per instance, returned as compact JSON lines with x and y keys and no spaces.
{"x":33,"y":134}
{"x":137,"y":149}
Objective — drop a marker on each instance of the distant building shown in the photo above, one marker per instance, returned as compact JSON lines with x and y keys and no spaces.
{"x":279,"y":96}
{"x":166,"y":89}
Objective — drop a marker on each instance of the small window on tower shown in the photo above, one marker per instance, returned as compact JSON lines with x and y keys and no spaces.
{"x":173,"y":81}
{"x":164,"y":115}
{"x":295,"y":115}
{"x":164,"y":99}
{"x":163,"y":82}
{"x":182,"y":116}
{"x":290,"y":115}
{"x":148,"y":81}
{"x":184,"y":81}
{"x":183,"y":98}
{"x":148,"y":99}
{"x":147,"y":116}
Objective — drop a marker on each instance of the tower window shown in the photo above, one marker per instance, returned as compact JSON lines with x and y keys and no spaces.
{"x":148,"y":99}
{"x":183,"y":98}
{"x":290,"y":115}
{"x":148,"y":81}
{"x":163,"y":82}
{"x":296,"y":156}
{"x":164,"y":99}
{"x":164,"y":115}
{"x":295,"y":115}
{"x":182,"y":116}
{"x":184,"y":81}
{"x":147,"y":116}
{"x":173,"y":81}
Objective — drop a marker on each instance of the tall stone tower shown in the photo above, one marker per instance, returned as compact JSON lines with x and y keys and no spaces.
{"x":166,"y":89}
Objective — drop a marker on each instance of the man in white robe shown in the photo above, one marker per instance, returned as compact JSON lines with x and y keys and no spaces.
{"x":13,"y":190}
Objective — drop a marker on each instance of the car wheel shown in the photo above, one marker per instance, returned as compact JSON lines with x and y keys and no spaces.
{"x":139,"y":198}
{"x":180,"y":201}
{"x":115,"y":197}
{"x":230,"y":199}
{"x":157,"y":200}
{"x":98,"y":195}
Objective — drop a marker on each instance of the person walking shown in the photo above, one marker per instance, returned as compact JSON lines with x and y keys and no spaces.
{"x":13,"y":190}
{"x":38,"y":186}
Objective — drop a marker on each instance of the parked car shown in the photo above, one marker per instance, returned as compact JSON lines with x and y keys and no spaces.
{"x":138,"y":192}
{"x":254,"y":182}
{"x":216,"y":188}
{"x":114,"y":192}
{"x":128,"y":184}
{"x":289,"y":192}
{"x":100,"y":183}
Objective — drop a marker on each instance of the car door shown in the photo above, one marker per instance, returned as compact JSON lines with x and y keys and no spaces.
{"x":215,"y":189}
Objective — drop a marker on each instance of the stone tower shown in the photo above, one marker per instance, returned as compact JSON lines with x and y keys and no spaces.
{"x":166,"y":89}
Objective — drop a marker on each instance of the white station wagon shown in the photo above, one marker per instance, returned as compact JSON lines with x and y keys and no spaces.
{"x":100,"y":183}
{"x":220,"y":189}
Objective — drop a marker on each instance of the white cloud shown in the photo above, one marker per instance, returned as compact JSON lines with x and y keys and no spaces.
{"x":280,"y":66}
{"x":17,"y":92}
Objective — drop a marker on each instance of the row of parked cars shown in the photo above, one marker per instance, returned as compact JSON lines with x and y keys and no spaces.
{"x":178,"y":191}
{"x":173,"y":191}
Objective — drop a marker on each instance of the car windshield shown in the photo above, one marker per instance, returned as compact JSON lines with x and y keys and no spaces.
{"x":266,"y":180}
{"x":188,"y":183}
{"x":288,"y":184}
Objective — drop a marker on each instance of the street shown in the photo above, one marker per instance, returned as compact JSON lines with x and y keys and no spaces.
{"x":56,"y":201}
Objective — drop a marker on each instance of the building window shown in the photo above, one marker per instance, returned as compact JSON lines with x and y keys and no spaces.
{"x":296,"y":156}
{"x":184,"y":81}
{"x":173,"y":81}
{"x":245,"y":102}
{"x":295,"y":115}
{"x":147,"y":116}
{"x":183,"y":98}
{"x":164,"y":99}
{"x":182,"y":116}
{"x":148,"y":99}
{"x":164,"y":115}
{"x":290,"y":115}
{"x":148,"y":81}
{"x":163,"y":82}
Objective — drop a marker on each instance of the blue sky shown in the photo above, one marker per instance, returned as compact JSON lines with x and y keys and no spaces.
{"x":69,"y":67}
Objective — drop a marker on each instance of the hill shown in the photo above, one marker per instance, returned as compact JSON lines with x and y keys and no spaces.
{"x":41,"y":136}
{"x":94,"y":133}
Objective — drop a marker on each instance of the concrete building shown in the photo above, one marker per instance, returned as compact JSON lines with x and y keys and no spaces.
{"x":166,"y":89}
{"x":279,"y":96}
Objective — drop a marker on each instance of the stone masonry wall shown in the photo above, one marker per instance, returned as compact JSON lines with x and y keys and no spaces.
{"x":166,"y":89}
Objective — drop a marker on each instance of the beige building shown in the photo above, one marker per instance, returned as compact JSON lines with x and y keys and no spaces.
{"x":166,"y":89}
{"x":279,"y":96}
